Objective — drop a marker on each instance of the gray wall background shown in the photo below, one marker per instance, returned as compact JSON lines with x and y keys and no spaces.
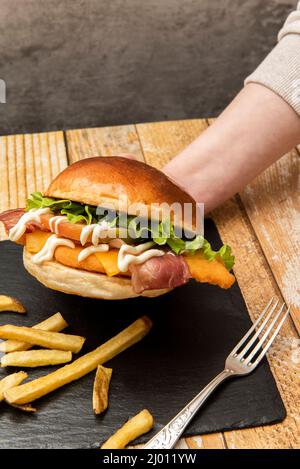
{"x":75,"y":63}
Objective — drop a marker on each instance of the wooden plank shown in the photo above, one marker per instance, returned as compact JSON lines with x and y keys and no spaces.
{"x":26,"y":165}
{"x":272,"y":203}
{"x":21,"y":170}
{"x":4,"y":181}
{"x":161,"y":141}
{"x":12,"y":171}
{"x":105,"y":141}
{"x":212,"y":441}
{"x":257,"y":285}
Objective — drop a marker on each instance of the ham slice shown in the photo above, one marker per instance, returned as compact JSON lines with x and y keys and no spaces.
{"x":11,"y":217}
{"x":66,"y":229}
{"x":167,"y":271}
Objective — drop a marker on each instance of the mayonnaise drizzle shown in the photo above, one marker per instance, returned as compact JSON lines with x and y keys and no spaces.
{"x":86,"y":252}
{"x":97,"y":231}
{"x":136,"y":254}
{"x":17,"y":231}
{"x":47,"y":252}
{"x":114,"y":243}
{"x":54,"y":222}
{"x":127,"y":254}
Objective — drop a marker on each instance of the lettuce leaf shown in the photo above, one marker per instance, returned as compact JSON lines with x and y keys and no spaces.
{"x":36,"y":200}
{"x":162,"y":233}
{"x":75,"y":212}
{"x":78,"y":213}
{"x":224,"y":254}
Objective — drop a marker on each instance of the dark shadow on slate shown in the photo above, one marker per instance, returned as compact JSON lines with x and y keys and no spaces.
{"x":195,"y":327}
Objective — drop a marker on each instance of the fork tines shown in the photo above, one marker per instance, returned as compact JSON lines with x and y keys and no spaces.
{"x":256,"y":342}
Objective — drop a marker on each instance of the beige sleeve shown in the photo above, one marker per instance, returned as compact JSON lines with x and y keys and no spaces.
{"x":280,"y":70}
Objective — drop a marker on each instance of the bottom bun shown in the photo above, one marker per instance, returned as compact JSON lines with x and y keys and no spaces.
{"x":59,"y":277}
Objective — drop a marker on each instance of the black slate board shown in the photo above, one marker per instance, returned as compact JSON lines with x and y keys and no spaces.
{"x":195,"y":327}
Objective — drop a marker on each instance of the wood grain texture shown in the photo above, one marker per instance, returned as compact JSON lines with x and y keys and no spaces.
{"x":257,"y":285}
{"x":272,"y":203}
{"x":161,"y":141}
{"x":28,"y":163}
{"x":105,"y":141}
{"x":212,"y":441}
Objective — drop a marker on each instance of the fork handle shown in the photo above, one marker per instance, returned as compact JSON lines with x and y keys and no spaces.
{"x":167,"y":437}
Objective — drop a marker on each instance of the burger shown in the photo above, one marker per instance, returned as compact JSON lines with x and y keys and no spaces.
{"x":101,"y":230}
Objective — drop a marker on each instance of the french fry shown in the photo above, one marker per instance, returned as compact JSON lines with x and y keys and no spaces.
{"x":54,"y":323}
{"x":10,"y":381}
{"x":39,"y":387}
{"x":34,"y":358}
{"x":8,"y":303}
{"x":100,"y":389}
{"x":132,"y":429}
{"x":25,"y":407}
{"x":47,"y":339}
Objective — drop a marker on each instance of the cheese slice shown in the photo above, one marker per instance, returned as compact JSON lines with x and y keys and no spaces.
{"x":109,"y":261}
{"x":35,"y":241}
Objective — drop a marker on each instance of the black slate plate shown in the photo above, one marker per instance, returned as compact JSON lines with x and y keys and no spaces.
{"x":195,"y":327}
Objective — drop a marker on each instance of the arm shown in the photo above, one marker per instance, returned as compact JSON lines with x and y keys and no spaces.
{"x":258,"y":127}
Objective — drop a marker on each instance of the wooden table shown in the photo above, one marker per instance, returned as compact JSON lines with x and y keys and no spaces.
{"x":261,"y":224}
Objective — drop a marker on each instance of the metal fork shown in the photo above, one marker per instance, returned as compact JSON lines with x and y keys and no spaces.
{"x":241,"y":361}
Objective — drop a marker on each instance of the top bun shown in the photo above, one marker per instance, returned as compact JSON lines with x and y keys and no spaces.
{"x":121,"y":184}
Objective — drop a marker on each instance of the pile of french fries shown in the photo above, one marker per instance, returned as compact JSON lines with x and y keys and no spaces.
{"x":57,"y":348}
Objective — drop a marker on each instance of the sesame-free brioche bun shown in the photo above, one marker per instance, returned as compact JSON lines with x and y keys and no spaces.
{"x":121,"y":184}
{"x":59,"y":277}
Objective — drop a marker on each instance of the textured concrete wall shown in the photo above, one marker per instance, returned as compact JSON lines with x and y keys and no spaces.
{"x":76,"y":63}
